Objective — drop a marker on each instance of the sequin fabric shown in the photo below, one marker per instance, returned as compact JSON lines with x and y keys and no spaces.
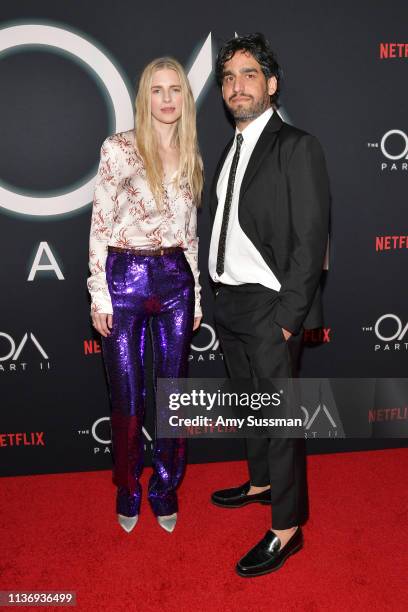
{"x":155,"y":292}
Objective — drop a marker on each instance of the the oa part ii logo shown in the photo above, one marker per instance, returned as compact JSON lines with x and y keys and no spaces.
{"x":318,"y":432}
{"x":11,"y":352}
{"x":391,"y":333}
{"x":96,"y":61}
{"x":394,"y":147}
{"x":205,"y":345}
{"x":101,"y":434}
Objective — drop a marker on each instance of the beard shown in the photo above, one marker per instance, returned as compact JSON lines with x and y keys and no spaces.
{"x":249,"y":112}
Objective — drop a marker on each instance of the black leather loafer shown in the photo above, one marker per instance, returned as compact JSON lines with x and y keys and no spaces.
{"x":266,"y":557}
{"x":238,"y":497}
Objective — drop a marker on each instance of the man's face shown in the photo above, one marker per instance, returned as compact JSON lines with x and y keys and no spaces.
{"x":245,"y":89}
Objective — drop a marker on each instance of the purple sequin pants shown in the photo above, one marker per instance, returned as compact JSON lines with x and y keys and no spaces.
{"x":156,"y":292}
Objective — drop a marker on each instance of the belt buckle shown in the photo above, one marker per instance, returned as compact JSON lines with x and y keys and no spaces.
{"x":161,"y":251}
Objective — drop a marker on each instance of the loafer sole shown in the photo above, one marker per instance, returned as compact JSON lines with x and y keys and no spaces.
{"x":269,"y":571}
{"x":241,"y":504}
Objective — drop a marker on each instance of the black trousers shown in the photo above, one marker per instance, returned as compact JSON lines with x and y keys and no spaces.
{"x":254,"y":347}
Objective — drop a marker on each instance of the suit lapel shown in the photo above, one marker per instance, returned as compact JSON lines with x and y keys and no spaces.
{"x":262,"y":147}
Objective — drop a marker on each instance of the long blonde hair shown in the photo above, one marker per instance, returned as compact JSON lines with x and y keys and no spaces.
{"x":190,"y":168}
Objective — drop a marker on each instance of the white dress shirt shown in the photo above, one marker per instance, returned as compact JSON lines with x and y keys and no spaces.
{"x":243,"y":262}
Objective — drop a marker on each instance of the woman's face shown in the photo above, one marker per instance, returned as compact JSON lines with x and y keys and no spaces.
{"x":166,"y":96}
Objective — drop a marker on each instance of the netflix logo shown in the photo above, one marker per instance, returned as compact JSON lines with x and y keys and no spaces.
{"x":393,"y":50}
{"x":92,"y":347}
{"x":391,"y":243}
{"x":321,"y":335}
{"x":388,"y":414}
{"x":31,"y":438}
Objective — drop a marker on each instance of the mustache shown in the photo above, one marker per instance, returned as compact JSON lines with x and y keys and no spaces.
{"x":239,"y":96}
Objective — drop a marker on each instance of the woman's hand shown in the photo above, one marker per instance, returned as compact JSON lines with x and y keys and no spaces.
{"x":286,"y":334}
{"x":197,"y":321}
{"x":102,"y":323}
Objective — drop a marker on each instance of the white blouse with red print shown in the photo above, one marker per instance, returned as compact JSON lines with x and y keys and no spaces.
{"x":125,"y":215}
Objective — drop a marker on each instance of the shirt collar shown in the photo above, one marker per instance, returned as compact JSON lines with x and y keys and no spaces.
{"x":252,"y":131}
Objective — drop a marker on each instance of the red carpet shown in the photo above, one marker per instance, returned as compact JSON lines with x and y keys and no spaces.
{"x":59,"y":532}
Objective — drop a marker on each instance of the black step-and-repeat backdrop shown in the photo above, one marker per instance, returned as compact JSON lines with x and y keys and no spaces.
{"x":68,"y":72}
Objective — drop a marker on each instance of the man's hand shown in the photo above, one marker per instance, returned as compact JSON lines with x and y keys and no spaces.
{"x":287,"y":334}
{"x":102,"y":322}
{"x":197,"y":321}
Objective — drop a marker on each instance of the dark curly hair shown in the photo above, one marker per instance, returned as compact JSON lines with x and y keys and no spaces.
{"x":257,"y":45}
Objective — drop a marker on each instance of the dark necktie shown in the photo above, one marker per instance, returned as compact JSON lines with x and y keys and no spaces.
{"x":227,"y":207}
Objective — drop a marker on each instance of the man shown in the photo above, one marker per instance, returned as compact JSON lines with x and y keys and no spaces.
{"x":270,"y":210}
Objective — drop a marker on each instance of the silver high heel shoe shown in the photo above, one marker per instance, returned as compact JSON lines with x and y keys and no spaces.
{"x":168,"y":522}
{"x":127,"y":522}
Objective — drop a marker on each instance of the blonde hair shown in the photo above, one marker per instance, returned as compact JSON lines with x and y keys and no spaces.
{"x":190,"y":167}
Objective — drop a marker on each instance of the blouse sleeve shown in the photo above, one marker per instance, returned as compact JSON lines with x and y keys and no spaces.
{"x":103,"y":212}
{"x":192,"y":258}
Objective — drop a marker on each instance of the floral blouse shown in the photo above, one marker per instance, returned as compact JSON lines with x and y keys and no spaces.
{"x":125,"y":214}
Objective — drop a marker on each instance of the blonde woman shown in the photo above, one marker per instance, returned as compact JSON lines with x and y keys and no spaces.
{"x":144,"y":273}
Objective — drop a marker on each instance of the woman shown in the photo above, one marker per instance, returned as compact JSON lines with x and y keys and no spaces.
{"x":144,"y":273}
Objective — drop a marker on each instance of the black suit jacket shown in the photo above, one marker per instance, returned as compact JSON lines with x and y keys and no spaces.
{"x":283,"y":208}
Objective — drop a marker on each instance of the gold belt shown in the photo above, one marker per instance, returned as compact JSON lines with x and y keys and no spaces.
{"x":145,"y":252}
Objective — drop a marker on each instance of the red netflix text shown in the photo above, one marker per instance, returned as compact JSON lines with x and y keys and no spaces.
{"x":393,"y":50}
{"x":391,"y":243}
{"x":317,"y":336}
{"x":91,"y":347}
{"x":388,"y":414}
{"x":30,"y":438}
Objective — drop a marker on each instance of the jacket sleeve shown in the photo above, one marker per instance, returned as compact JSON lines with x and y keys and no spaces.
{"x":192,"y":257}
{"x":101,"y":228}
{"x":309,"y":201}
